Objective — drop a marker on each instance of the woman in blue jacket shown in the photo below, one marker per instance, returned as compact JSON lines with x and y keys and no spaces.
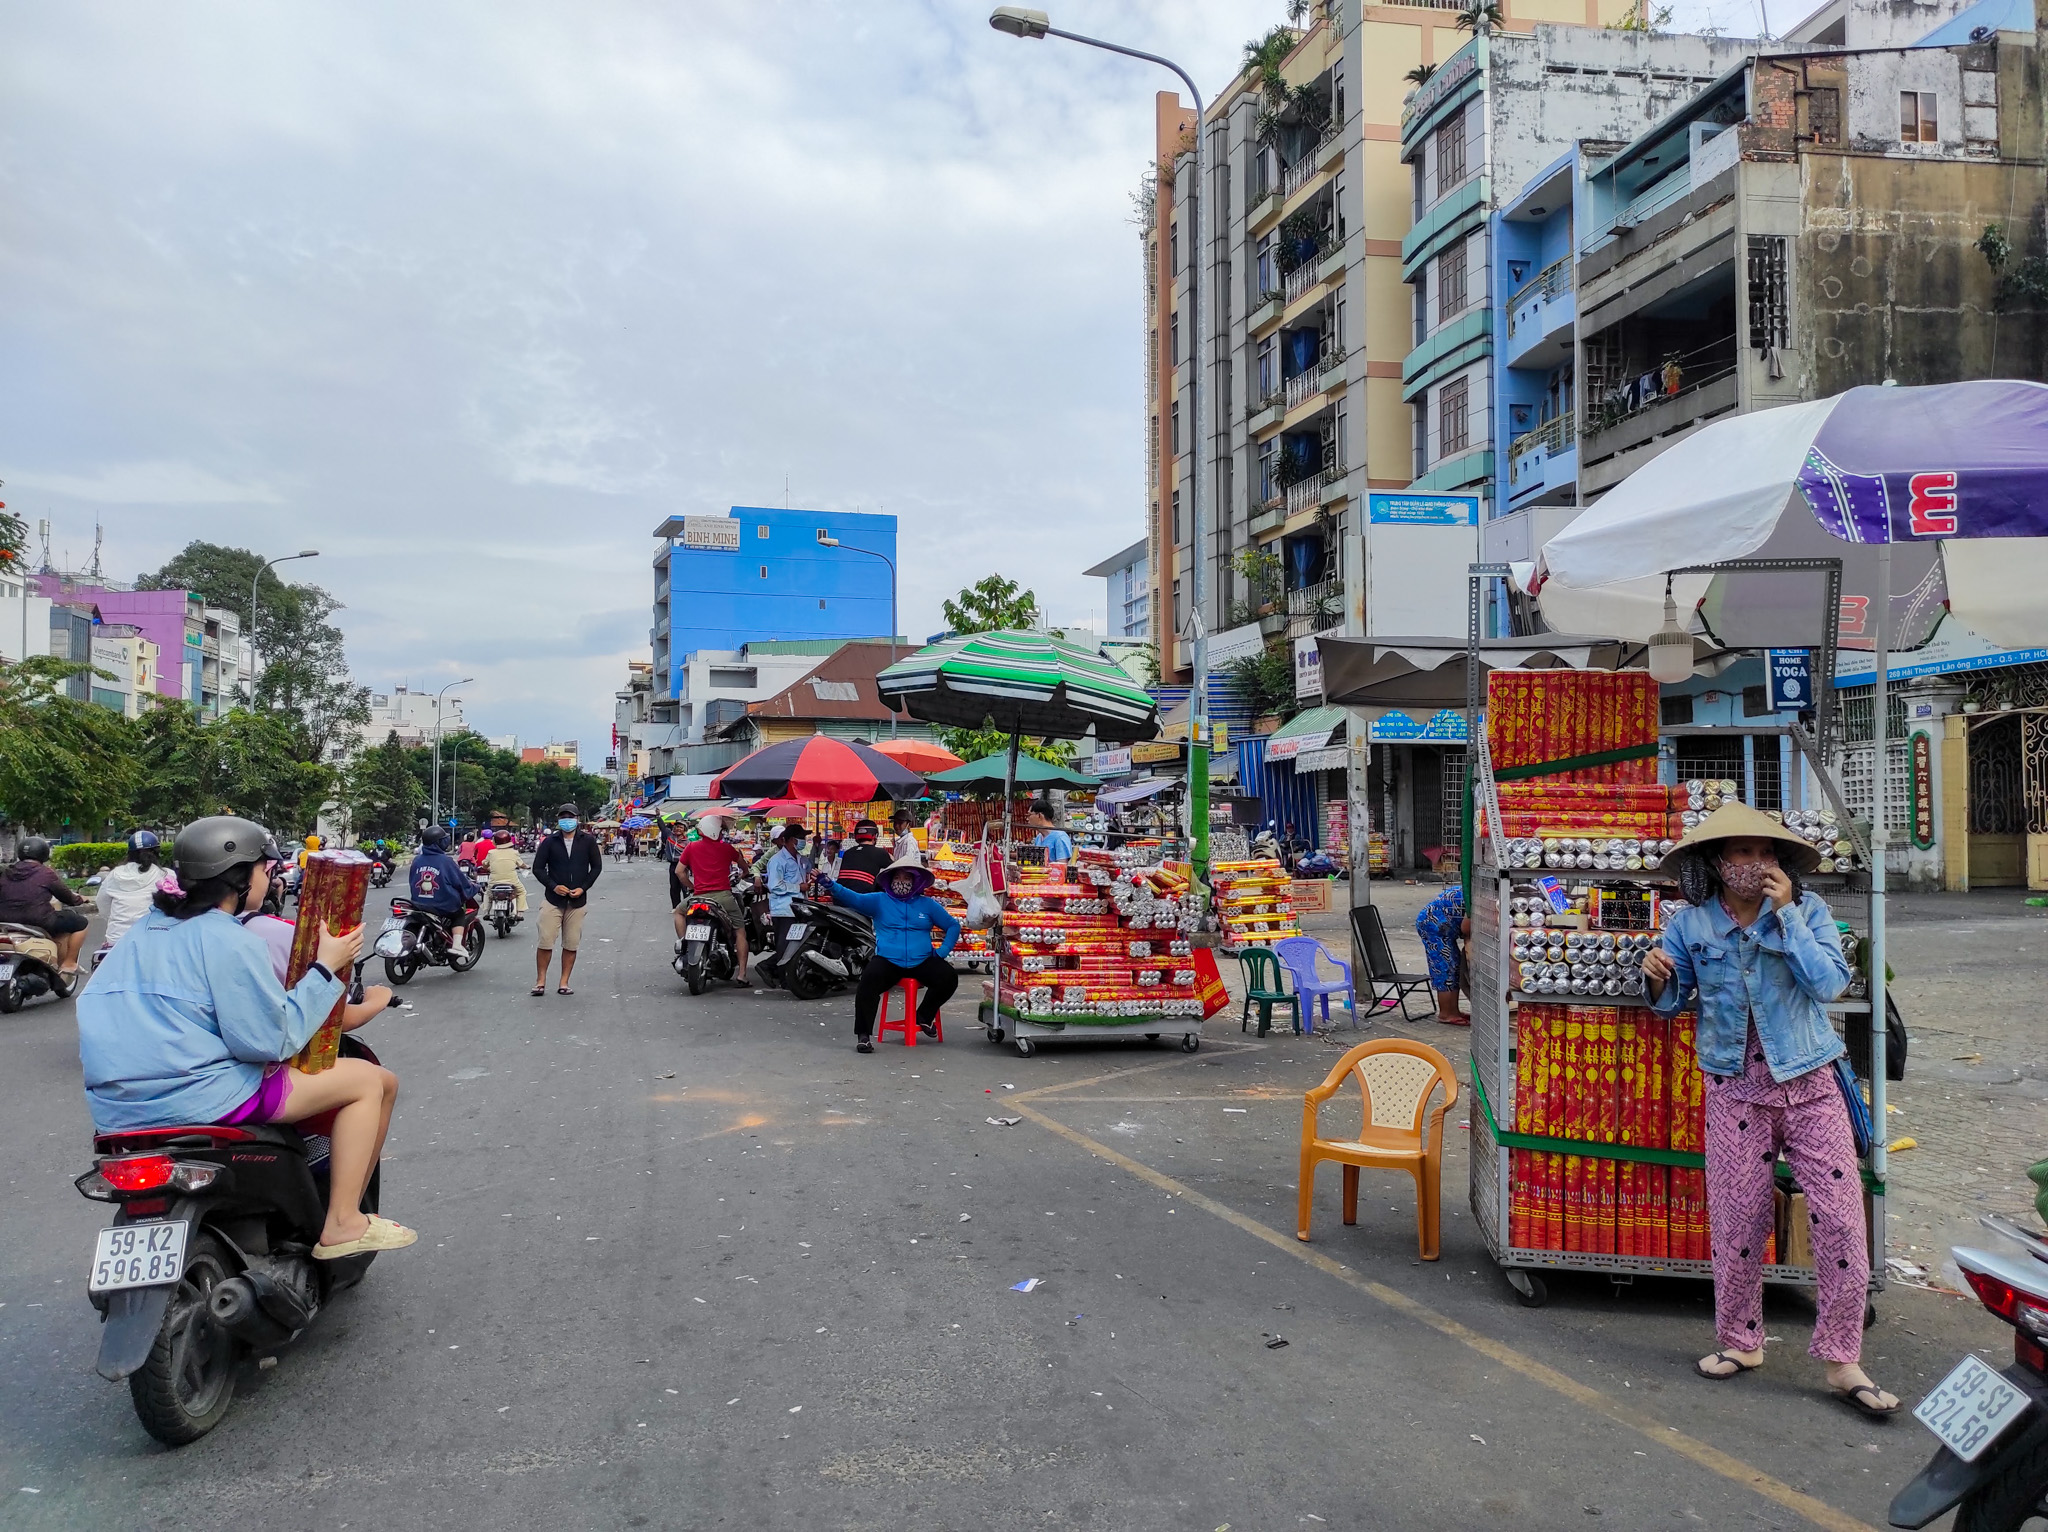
{"x":904,"y":915}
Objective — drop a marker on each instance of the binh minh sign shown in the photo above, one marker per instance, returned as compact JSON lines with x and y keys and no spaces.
{"x":718,"y":533}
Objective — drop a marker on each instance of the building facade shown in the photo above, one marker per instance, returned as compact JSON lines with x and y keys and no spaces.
{"x":1126,"y":576}
{"x":173,"y":620}
{"x":411,"y":715}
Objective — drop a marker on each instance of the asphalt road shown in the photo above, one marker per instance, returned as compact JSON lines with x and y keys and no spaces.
{"x":695,"y":1263}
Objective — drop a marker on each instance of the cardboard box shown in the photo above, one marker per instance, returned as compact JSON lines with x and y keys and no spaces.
{"x":1310,"y":897}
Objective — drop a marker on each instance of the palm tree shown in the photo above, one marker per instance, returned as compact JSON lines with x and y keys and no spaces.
{"x":1479,"y":16}
{"x":1420,"y":74}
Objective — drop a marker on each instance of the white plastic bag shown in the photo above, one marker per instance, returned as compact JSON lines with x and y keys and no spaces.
{"x":984,"y":907}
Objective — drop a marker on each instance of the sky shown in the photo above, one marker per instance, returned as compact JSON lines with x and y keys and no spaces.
{"x":471,"y":297}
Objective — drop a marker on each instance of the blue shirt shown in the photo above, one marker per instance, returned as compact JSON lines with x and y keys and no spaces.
{"x":903,"y":927}
{"x":785,"y":880}
{"x":1059,"y":846}
{"x":1780,"y":971}
{"x":181,"y":1018}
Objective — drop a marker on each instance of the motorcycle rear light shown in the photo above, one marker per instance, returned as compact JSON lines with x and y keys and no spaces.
{"x":2022,"y":1310}
{"x":138,"y":1173}
{"x":2028,"y":1352}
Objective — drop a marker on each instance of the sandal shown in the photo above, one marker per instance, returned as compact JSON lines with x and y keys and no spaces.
{"x":538,"y":990}
{"x":863,"y":1046}
{"x":1740,"y":1366}
{"x":1869,"y":1407}
{"x":563,"y":989}
{"x":382,"y":1234}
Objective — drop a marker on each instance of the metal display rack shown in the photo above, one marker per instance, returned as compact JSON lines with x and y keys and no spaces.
{"x":1855,"y":897}
{"x":1023,"y":1028}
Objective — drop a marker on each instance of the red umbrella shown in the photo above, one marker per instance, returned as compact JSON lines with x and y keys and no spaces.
{"x":777,"y":808}
{"x":920,"y":755}
{"x":819,"y":769}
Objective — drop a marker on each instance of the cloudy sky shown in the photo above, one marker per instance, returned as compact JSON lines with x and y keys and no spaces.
{"x":471,"y":296}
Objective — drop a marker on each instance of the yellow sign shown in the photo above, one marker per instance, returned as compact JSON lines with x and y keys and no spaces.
{"x":1151,"y":754}
{"x":1222,"y":743}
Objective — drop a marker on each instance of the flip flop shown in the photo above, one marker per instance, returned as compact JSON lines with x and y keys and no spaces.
{"x":563,"y":989}
{"x":382,"y":1234}
{"x":538,"y":990}
{"x":1741,"y":1367}
{"x":1869,"y":1408}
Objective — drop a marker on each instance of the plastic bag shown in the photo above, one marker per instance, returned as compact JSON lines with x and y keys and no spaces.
{"x":984,"y":906}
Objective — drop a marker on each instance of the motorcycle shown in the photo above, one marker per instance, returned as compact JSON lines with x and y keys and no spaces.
{"x":501,"y":908}
{"x":293,"y":877}
{"x":380,"y":872}
{"x":413,"y":938}
{"x":28,"y":968}
{"x":1992,"y":1424}
{"x":708,"y":950}
{"x":826,"y":947}
{"x":209,"y":1255}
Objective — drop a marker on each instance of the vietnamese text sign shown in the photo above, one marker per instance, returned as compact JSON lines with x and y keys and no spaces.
{"x":1396,"y":508}
{"x":716,"y":532}
{"x":1158,"y":750}
{"x":1791,"y":680}
{"x":1308,"y":669}
{"x":1921,"y":763}
{"x":1110,"y":763}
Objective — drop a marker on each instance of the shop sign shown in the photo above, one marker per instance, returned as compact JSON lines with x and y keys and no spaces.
{"x":1156,"y":751}
{"x":1405,"y":510}
{"x":1445,"y":726}
{"x":1308,"y":669}
{"x":1330,"y":758}
{"x":1953,"y":650}
{"x":718,"y":533}
{"x":1791,"y":681}
{"x":1440,"y":84}
{"x":1109,"y":763}
{"x":1921,"y":762}
{"x":1240,"y":643}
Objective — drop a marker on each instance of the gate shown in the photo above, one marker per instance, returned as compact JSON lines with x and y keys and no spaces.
{"x":1998,"y":807}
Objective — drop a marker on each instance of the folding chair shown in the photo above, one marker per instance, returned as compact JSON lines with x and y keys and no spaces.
{"x":1371,"y":935}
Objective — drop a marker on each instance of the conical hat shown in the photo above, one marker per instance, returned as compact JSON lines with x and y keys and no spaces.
{"x":911,"y":862}
{"x":1739,"y":819}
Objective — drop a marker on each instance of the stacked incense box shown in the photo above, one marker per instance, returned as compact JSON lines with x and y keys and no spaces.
{"x":1110,"y":940}
{"x":330,"y":899}
{"x":950,"y":862}
{"x":1533,"y":716}
{"x":1253,"y":900}
{"x":1609,"y":1075}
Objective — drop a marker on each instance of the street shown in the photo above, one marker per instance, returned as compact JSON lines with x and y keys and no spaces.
{"x":696,"y":1263}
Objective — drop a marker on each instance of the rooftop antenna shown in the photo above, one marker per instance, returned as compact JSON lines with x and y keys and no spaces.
{"x":94,"y":571}
{"x":43,"y":531}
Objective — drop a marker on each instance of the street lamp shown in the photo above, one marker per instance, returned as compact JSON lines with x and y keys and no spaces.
{"x":304,"y":553}
{"x":827,"y":540}
{"x":1031,"y":25}
{"x":435,"y":798}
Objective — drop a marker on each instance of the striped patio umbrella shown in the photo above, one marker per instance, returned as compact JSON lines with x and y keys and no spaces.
{"x":819,"y":769}
{"x":1022,"y":683}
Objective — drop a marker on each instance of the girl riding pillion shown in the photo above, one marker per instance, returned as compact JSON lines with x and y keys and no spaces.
{"x":187,"y":1023}
{"x":904,"y":917}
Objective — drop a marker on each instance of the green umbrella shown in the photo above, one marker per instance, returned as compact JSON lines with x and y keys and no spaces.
{"x":994,"y":770}
{"x":1025,"y":683}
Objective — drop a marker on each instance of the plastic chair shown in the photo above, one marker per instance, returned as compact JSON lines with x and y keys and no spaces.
{"x":1371,"y":934}
{"x":907,"y":1022}
{"x":1298,"y":956}
{"x":1396,"y":1079}
{"x":1253,"y":962}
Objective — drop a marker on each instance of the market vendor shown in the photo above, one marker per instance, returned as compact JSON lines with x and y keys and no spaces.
{"x":1047,"y":834}
{"x":905,"y":916}
{"x":1762,"y":959}
{"x":1443,"y":928}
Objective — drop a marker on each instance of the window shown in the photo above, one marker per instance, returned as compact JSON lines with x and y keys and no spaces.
{"x":1173,"y":247}
{"x":1756,"y":701}
{"x":764,"y":571}
{"x":1449,"y":149}
{"x":1824,"y":114}
{"x":1421,"y":457}
{"x":1337,"y":205}
{"x":1916,"y":117}
{"x":1421,"y":285}
{"x":1269,"y":368}
{"x":821,"y":604}
{"x":740,"y":678}
{"x":1178,"y":538}
{"x":1337,"y":439}
{"x":1337,"y":330}
{"x":1450,"y":282}
{"x":1173,"y":332}
{"x":1268,"y":277}
{"x":1268,"y":455}
{"x":1454,"y":418}
{"x":1674,"y":710}
{"x":1767,"y":318}
{"x":1337,"y":92}
{"x":1177,"y":608}
{"x":761,"y":532}
{"x":1176,"y":428}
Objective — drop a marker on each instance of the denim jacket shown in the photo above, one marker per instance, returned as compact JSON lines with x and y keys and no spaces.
{"x":1782,"y":971}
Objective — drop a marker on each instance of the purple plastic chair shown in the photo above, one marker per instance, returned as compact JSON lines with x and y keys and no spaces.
{"x":1298,"y":956}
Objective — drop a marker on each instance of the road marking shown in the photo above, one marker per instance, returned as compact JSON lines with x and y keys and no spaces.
{"x":1630,"y":1417}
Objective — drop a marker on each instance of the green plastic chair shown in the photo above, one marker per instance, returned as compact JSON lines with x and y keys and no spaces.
{"x":1256,"y":963}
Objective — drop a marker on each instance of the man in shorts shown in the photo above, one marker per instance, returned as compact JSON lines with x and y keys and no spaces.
{"x":30,"y":893}
{"x":566,"y":865}
{"x":714,"y":866}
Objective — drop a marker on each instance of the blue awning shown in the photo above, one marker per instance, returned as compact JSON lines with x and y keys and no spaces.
{"x":1132,"y":792}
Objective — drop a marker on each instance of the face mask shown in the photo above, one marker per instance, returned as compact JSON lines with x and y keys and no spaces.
{"x":565,"y":824}
{"x":1745,"y":880}
{"x":903,"y":888}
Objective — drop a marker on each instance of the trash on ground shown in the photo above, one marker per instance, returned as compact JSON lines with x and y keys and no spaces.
{"x":1238,"y":1109}
{"x":1025,"y":1286}
{"x":1899,"y":1144}
{"x":1968,"y":1058}
{"x":1003,"y":1122}
{"x":670,"y":1075}
{"x":1480,"y":1439}
{"x":966,"y":1217}
{"x":1275,"y":1343}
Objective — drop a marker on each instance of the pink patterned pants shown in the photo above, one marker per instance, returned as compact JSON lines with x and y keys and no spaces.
{"x":1744,"y":1139}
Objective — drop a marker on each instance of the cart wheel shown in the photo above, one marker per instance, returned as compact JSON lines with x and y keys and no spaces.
{"x":995,"y":1034}
{"x":1151,"y":1037}
{"x":1190,"y":1041}
{"x":1869,"y":1315}
{"x":1026,"y":1047}
{"x":1530,"y":1290}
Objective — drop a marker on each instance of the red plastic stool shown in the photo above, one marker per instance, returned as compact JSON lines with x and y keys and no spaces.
{"x":907,"y":1022}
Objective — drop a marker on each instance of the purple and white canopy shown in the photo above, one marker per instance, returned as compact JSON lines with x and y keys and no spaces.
{"x":1954,"y":478}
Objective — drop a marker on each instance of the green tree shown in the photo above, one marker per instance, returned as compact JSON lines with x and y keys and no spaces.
{"x":989,"y":604}
{"x":1266,"y":680}
{"x":63,"y":763}
{"x":973,"y":744}
{"x":243,"y":763}
{"x":382,"y":793}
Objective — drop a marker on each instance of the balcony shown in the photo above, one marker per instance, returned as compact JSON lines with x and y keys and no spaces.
{"x":1265,"y":209}
{"x":1613,"y":431}
{"x":1307,"y":494}
{"x":1540,"y":318}
{"x":1304,"y":279}
{"x":1302,"y":387}
{"x":1267,"y":413}
{"x":1267,"y":307}
{"x":1312,"y":162}
{"x":1543,"y":460}
{"x":1267,"y":515}
{"x":1315,"y":608}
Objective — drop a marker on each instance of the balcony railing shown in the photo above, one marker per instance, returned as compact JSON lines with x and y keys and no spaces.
{"x":1306,"y":494}
{"x":1554,"y":435}
{"x":1680,"y":374}
{"x":1553,"y":281}
{"x":1303,"y":278}
{"x":1257,"y":407}
{"x":1303,"y":386}
{"x":1315,"y":608}
{"x":1303,"y":170}
{"x":1332,"y":358}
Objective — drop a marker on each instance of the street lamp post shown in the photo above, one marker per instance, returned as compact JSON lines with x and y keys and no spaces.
{"x":254,"y":580}
{"x":434,"y":811}
{"x":826,"y":540}
{"x":1020,"y":22}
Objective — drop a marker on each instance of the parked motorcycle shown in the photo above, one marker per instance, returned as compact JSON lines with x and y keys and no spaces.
{"x":28,"y":968}
{"x":209,"y":1256}
{"x":413,"y":938}
{"x":501,"y":908}
{"x":1992,"y":1424}
{"x":826,"y":947}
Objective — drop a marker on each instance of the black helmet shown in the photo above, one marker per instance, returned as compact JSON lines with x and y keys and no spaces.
{"x":34,"y":849}
{"x":435,"y":837}
{"x":207,"y":848}
{"x":143,"y":840}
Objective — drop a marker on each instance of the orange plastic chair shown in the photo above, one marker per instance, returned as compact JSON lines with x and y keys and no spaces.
{"x":1396,"y":1079}
{"x":907,"y":1022}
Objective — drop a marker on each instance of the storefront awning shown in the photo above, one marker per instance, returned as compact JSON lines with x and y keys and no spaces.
{"x":1305,"y":731}
{"x":1329,"y":758}
{"x":1132,"y":792}
{"x":1428,"y":673}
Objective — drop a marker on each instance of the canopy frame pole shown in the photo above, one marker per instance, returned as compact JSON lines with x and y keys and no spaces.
{"x":1475,"y":575}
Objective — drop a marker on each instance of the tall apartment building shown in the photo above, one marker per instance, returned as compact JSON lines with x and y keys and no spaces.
{"x":1129,"y":591}
{"x":411,"y":715}
{"x":173,"y":620}
{"x":1307,"y":411}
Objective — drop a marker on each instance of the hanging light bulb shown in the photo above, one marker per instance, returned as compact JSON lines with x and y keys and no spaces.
{"x":1670,"y":646}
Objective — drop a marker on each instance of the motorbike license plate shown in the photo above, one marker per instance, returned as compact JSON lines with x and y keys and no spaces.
{"x":796,"y":933}
{"x":1970,"y":1407}
{"x":697,"y":933}
{"x":138,"y":1255}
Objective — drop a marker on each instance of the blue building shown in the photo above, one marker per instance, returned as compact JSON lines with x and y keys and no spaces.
{"x":721,"y":582}
{"x":1130,"y":591}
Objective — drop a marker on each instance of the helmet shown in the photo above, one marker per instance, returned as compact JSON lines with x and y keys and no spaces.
{"x":34,"y":849}
{"x":866,"y":832}
{"x":435,"y":837}
{"x":208,"y":847}
{"x":312,"y":843}
{"x":143,"y":840}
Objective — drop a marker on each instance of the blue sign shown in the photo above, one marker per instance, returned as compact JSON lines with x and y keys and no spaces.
{"x":1397,"y":509}
{"x":1791,"y":680}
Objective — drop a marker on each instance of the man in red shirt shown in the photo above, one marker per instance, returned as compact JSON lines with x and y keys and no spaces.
{"x":714,"y":868}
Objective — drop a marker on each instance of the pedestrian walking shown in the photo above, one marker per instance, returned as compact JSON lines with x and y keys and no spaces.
{"x":567,"y":864}
{"x":1763,"y":959}
{"x":1442,"y":926}
{"x":905,"y":916}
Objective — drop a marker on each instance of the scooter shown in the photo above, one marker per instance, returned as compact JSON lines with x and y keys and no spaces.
{"x":28,"y":968}
{"x":501,"y":908}
{"x":708,"y":951}
{"x":1992,"y":1424}
{"x":380,"y":872}
{"x":413,"y":938}
{"x":209,"y":1256}
{"x":826,"y":947}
